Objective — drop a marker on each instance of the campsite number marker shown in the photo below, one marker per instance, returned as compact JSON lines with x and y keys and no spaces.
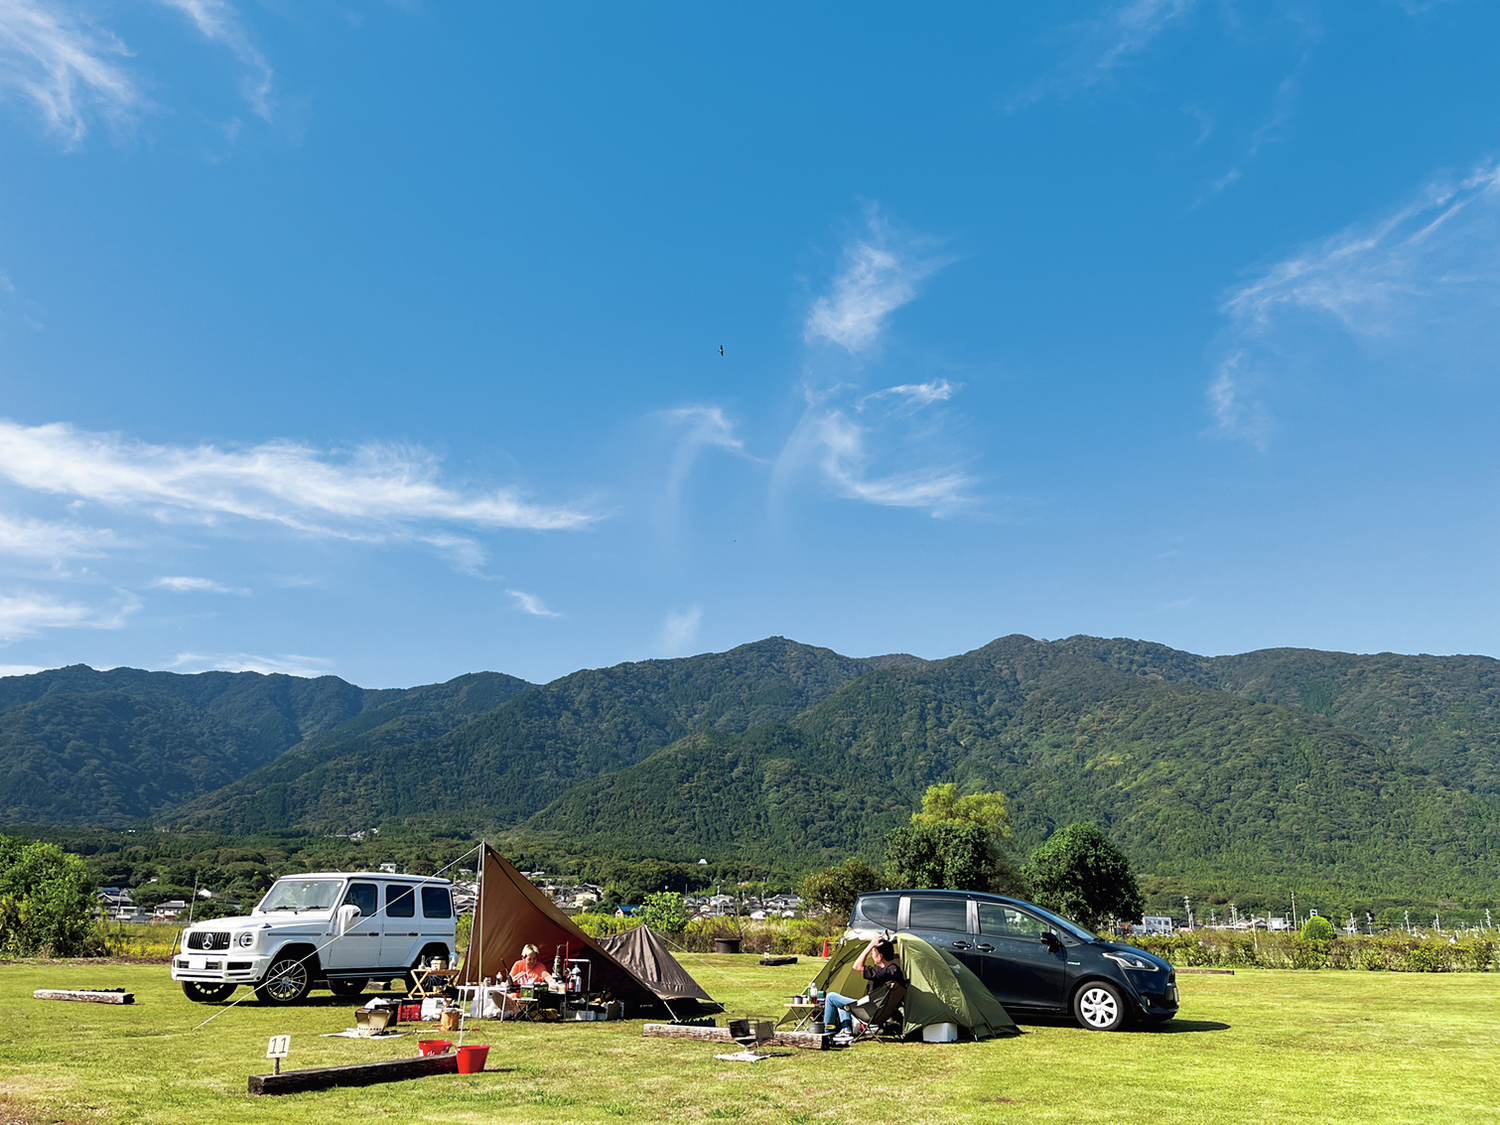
{"x":279,"y":1047}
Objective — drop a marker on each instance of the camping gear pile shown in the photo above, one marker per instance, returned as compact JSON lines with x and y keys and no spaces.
{"x":630,"y":975}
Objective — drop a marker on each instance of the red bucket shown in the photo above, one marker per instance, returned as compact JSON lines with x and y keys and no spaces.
{"x":471,"y":1059}
{"x":434,"y":1046}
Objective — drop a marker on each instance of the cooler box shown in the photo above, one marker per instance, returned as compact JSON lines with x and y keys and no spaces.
{"x":940,"y":1033}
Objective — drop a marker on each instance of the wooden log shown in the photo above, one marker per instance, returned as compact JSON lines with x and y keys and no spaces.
{"x":790,"y":959}
{"x":803,"y":1040}
{"x":1208,"y":972}
{"x":360,"y":1074}
{"x":87,"y":996}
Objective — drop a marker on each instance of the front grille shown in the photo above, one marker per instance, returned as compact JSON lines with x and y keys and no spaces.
{"x":208,"y":939}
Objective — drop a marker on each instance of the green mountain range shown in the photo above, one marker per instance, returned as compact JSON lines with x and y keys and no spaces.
{"x":1271,"y":768}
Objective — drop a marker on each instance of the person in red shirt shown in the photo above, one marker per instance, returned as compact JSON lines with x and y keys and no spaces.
{"x":531,"y":969}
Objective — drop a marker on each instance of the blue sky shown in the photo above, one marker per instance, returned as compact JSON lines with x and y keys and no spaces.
{"x":382,"y":339}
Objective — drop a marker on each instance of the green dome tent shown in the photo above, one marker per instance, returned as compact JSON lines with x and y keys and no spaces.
{"x":940,"y":988}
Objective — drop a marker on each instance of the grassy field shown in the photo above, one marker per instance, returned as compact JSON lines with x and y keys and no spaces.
{"x":1295,"y":1046}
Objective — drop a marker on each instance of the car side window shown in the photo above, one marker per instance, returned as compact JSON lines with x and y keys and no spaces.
{"x":1007,"y":921}
{"x":880,"y":909}
{"x":400,"y":902}
{"x":940,"y":914}
{"x":436,"y":903}
{"x":364,"y":896}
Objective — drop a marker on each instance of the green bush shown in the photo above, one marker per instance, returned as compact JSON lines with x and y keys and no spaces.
{"x":46,"y":902}
{"x":1318,"y":928}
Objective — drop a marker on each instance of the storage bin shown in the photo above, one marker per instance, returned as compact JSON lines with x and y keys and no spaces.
{"x":940,"y":1033}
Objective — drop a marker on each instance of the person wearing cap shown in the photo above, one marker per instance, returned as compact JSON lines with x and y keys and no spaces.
{"x":531,"y":969}
{"x":882,"y":968}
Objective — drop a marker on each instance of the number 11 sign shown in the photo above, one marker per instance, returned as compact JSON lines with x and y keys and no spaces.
{"x":278,"y":1049}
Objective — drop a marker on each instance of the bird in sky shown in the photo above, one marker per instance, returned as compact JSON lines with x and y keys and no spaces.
{"x":721,"y":349}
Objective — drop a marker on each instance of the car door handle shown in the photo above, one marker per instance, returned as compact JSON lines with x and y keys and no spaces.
{"x":986,"y":948}
{"x":960,"y":945}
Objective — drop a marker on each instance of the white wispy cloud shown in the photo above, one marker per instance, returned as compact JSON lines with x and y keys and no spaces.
{"x":679,"y":630}
{"x":703,"y":426}
{"x":881,"y":272}
{"x":1109,"y":41}
{"x":874,"y":450}
{"x":66,"y":68}
{"x":20,"y":669}
{"x":219,"y":22}
{"x":373,"y":491}
{"x":1419,"y":286}
{"x":183,"y":584}
{"x":530,"y":603}
{"x":846,"y":460}
{"x":45,"y":539}
{"x":917,"y":394}
{"x":25,"y":614}
{"x":287,"y":665}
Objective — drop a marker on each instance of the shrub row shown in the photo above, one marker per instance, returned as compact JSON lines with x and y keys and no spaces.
{"x":803,"y":936}
{"x":1392,"y":952}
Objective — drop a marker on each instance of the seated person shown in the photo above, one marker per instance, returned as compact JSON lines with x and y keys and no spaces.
{"x":532,"y":970}
{"x":881,"y":969}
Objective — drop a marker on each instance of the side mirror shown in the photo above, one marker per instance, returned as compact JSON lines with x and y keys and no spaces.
{"x":1051,"y":940}
{"x":348,"y":915}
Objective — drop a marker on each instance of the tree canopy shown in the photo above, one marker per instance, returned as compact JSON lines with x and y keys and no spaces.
{"x":1079,"y":873}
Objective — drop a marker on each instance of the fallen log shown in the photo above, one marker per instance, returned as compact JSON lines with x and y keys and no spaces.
{"x":804,"y":1040}
{"x":360,"y":1074}
{"x":789,"y":959}
{"x":86,"y":995}
{"x":1208,"y":972}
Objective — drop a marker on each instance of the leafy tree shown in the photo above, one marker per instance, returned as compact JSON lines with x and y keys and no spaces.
{"x":955,"y":842}
{"x":948,"y":854}
{"x":835,"y":888}
{"x":45,"y":901}
{"x":1080,"y":874}
{"x":942,"y":803}
{"x":1318,"y":928}
{"x":664,"y":911}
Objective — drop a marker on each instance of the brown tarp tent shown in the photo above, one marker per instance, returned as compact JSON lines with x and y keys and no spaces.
{"x":643,"y":952}
{"x":512,"y":912}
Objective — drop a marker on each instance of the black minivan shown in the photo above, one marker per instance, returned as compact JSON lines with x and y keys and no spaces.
{"x":1032,"y":960}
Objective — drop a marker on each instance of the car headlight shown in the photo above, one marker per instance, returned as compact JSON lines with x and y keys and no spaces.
{"x":246,"y":939}
{"x":1131,"y":961}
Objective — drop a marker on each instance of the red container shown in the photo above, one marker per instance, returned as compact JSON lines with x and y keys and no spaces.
{"x":471,"y":1059}
{"x":434,"y":1046}
{"x":408,"y":1013}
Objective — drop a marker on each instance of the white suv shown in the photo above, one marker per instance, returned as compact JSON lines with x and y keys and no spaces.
{"x":335,"y":928}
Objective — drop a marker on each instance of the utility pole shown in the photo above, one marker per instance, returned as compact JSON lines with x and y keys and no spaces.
{"x":1294,"y":910}
{"x":1188,"y":902}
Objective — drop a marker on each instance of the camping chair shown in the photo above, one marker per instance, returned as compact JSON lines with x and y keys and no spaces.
{"x":880,"y":1008}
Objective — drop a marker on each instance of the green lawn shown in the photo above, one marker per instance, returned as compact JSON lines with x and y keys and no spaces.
{"x":1294,"y":1046}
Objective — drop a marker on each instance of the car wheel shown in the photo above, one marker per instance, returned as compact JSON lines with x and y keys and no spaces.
{"x":344,"y":987}
{"x":288,"y":980}
{"x":207,"y":993}
{"x":1098,"y":1006}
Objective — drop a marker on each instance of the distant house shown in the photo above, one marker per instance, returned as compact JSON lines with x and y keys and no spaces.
{"x":1155,"y":925}
{"x":169,"y":910}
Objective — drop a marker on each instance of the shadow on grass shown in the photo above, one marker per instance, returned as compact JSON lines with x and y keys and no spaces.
{"x":1170,"y":1027}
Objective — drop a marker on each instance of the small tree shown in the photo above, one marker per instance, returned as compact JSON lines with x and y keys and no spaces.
{"x":1079,"y":873}
{"x":664,"y":911}
{"x":1318,"y":928}
{"x":835,"y":888}
{"x":45,"y":901}
{"x":956,"y":842}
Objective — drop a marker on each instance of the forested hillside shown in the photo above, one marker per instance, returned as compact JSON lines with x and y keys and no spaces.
{"x":1272,"y":767}
{"x":500,"y":766}
{"x":86,"y":747}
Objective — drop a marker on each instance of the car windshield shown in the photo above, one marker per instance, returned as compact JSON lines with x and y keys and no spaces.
{"x":301,"y":894}
{"x":1064,"y":924}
